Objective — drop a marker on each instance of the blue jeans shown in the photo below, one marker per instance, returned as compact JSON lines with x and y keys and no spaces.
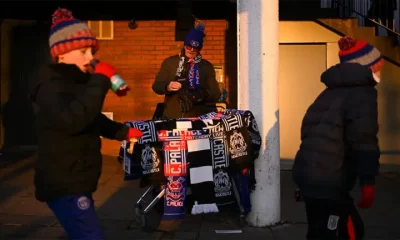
{"x":78,"y":217}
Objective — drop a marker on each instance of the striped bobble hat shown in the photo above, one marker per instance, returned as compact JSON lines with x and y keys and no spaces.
{"x":68,"y":34}
{"x":358,"y":51}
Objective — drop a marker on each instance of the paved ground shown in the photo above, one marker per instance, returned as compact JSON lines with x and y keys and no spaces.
{"x":22,"y":217}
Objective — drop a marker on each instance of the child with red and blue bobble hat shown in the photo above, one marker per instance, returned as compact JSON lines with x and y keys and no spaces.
{"x":339,"y":144}
{"x":68,"y":101}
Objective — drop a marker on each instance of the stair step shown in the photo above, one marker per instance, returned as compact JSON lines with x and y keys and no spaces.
{"x":365,"y":32}
{"x":384,"y":45}
{"x":386,"y":41}
{"x":349,"y":26}
{"x":344,"y":26}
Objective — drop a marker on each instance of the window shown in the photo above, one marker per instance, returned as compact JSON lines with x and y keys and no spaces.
{"x":104,"y":30}
{"x":219,"y":73}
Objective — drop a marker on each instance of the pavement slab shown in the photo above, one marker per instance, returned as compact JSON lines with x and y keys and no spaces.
{"x":23,"y":217}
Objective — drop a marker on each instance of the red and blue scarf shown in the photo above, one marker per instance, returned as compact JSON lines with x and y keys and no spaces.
{"x":190,"y":67}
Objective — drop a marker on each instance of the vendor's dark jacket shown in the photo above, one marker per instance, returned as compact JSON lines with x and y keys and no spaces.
{"x":339,"y":135}
{"x":171,"y":100}
{"x":69,"y":121}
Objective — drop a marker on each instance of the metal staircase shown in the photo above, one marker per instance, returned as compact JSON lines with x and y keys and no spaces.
{"x":370,"y":13}
{"x":359,"y":18}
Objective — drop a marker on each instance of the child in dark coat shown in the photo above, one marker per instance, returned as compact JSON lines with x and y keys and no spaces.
{"x":69,"y":122}
{"x":339,"y":144}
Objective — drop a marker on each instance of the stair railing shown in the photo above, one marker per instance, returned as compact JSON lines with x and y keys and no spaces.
{"x":372,"y":11}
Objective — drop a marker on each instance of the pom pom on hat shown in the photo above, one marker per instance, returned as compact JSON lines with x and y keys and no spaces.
{"x":200,"y":27}
{"x":68,"y":34}
{"x":346,"y":43}
{"x":196,"y":35}
{"x":61,"y":14}
{"x":358,"y":51}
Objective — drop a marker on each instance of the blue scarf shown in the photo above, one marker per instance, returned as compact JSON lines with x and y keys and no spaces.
{"x":193,"y":73}
{"x":175,"y":172}
{"x":191,"y":67}
{"x":243,"y":181}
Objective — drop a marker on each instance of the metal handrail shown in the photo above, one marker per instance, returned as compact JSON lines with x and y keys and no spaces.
{"x":373,"y":20}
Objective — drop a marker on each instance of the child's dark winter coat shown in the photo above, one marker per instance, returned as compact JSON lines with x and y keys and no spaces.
{"x":69,"y":123}
{"x":339,"y":135}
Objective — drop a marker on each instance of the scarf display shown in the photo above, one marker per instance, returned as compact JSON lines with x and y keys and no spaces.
{"x":252,"y":128}
{"x":211,"y":115}
{"x":239,"y":142}
{"x":201,"y":176}
{"x":175,"y":171}
{"x":181,"y":129}
{"x":147,"y":128}
{"x":135,"y":165}
{"x":206,"y":153}
{"x":220,"y":161}
{"x":132,"y":168}
{"x":144,"y":164}
{"x":151,"y":159}
{"x":255,"y":136}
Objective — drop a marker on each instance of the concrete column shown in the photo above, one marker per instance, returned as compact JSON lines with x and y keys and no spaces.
{"x":258,"y":44}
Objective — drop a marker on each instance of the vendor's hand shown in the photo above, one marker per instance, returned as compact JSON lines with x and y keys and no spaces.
{"x":174,"y":86}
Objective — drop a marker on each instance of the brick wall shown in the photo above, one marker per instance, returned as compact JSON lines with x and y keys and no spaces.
{"x":138,"y":55}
